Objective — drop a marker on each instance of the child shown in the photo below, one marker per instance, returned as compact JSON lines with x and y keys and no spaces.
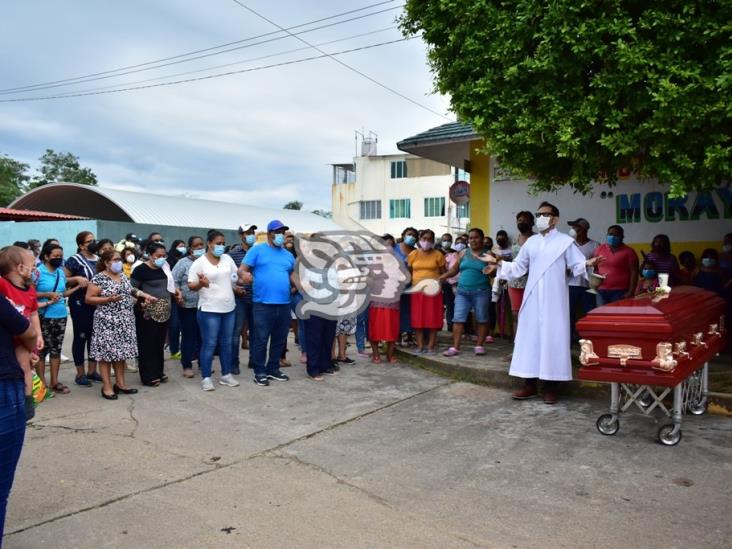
{"x":649,"y":278}
{"x":17,"y":268}
{"x":688,"y":270}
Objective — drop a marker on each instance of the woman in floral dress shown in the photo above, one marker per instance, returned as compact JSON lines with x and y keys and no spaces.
{"x":113,"y":337}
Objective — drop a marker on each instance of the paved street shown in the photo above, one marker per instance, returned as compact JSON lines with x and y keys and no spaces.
{"x":378,"y":456}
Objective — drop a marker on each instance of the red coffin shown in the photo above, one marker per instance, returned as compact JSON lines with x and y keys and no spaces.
{"x":652,"y":341}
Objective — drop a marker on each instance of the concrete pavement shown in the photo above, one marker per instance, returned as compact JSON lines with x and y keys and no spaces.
{"x":378,"y":456}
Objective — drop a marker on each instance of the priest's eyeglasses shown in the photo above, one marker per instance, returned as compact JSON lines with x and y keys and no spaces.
{"x":543,"y":214}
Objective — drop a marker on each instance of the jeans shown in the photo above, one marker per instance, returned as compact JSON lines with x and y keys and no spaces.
{"x":477,"y":300}
{"x":301,"y":338}
{"x":174,"y":330}
{"x":606,"y":297}
{"x":82,"y":317}
{"x":243,"y":314}
{"x":190,"y":344}
{"x":12,"y":433}
{"x":362,"y":322}
{"x":320,"y":335}
{"x":216,"y":328}
{"x":272,"y":325}
{"x":578,"y":295}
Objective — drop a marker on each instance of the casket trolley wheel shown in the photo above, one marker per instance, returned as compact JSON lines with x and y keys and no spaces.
{"x":669,"y":434}
{"x":608,"y":424}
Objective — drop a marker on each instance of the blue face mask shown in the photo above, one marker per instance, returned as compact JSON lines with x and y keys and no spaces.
{"x":181,"y":250}
{"x":218,"y":250}
{"x":159,"y":262}
{"x":251,"y":239}
{"x":648,"y":273}
{"x":410,"y":240}
{"x":198,"y":253}
{"x":279,"y":239}
{"x":613,"y":240}
{"x":709,"y":262}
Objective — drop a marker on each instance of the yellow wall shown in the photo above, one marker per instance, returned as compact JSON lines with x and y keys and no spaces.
{"x":479,"y":187}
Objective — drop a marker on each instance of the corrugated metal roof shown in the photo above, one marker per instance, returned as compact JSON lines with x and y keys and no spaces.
{"x":116,"y":205}
{"x":452,"y":131}
{"x":11,"y":214}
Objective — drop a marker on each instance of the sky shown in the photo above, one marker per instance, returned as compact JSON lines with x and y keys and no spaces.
{"x":263,"y":137}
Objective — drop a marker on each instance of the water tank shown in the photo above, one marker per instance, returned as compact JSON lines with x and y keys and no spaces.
{"x":368,"y":146}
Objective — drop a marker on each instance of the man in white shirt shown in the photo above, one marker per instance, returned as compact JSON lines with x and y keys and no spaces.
{"x":578,"y":285}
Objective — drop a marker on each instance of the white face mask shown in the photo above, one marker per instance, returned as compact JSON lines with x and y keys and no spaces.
{"x":543,"y":223}
{"x":572,"y":233}
{"x":130,"y":259}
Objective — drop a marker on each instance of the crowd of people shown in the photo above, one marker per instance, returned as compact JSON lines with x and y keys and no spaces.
{"x":129,"y":301}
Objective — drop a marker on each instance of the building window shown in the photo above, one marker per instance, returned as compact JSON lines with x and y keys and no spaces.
{"x":400,"y":208}
{"x":370,"y":209}
{"x":434,"y":207}
{"x":462,"y":210}
{"x":398,"y":169}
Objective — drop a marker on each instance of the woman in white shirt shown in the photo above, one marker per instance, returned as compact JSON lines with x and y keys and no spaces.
{"x":213,"y":276}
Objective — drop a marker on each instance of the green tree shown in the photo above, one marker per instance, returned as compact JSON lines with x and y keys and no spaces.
{"x":324,"y":213}
{"x":62,"y":167}
{"x":13,"y":179}
{"x":294,"y":205}
{"x":569,"y":91}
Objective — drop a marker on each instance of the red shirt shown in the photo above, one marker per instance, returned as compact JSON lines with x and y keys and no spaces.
{"x":24,"y":300}
{"x":616,"y":267}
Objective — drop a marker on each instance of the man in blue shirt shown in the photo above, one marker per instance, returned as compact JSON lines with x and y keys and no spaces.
{"x":243,"y":295}
{"x":271,"y":267}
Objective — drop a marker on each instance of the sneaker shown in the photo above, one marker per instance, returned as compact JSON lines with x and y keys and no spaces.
{"x":83,"y":381}
{"x":176,"y":356}
{"x":207,"y":384}
{"x":131,"y":368}
{"x":335,"y":367}
{"x":64,"y":358}
{"x":228,"y":380}
{"x":261,"y":381}
{"x":279,"y":376}
{"x":330,"y":372}
{"x":95,"y":377}
{"x":188,"y":373}
{"x":346,"y":360}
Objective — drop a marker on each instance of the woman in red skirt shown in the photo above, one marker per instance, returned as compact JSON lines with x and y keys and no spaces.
{"x":427,"y":313}
{"x":383,"y":326}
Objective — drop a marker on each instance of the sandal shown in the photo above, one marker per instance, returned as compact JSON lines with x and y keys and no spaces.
{"x":393,"y":360}
{"x":153,"y":383}
{"x":376,"y":359}
{"x":479,"y":350}
{"x":163,"y":379}
{"x":61,"y":389}
{"x":452,"y":351}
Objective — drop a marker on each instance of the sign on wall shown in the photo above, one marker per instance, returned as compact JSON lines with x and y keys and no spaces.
{"x":460,"y":192}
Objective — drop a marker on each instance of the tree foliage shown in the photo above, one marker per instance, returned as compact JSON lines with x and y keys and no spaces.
{"x":13,"y":179}
{"x":62,"y":167}
{"x":571,"y":91}
{"x":294,"y":205}
{"x":324,"y":213}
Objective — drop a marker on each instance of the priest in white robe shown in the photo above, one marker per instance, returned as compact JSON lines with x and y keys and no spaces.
{"x":541,"y":350}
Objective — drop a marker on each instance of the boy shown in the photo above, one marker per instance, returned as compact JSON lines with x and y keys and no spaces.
{"x":17,"y":266}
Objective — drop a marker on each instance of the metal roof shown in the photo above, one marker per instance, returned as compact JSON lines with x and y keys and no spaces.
{"x":154,"y":209}
{"x":452,"y":131}
{"x":10,"y":214}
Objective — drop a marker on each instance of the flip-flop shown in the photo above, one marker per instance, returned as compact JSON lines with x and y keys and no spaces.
{"x":376,"y":359}
{"x":61,"y":389}
{"x":393,"y":360}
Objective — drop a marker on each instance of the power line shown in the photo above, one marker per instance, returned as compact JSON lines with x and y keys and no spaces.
{"x":208,"y":77}
{"x":342,"y":63}
{"x":260,"y":58}
{"x":109,"y":73}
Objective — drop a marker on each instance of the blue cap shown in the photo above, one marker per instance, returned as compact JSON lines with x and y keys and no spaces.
{"x":275,"y":225}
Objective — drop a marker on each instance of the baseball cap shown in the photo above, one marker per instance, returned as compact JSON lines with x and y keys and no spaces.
{"x":581,"y":221}
{"x":244,"y":227}
{"x":276,"y":225}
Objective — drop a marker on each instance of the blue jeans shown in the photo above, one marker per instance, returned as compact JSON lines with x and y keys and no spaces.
{"x":12,"y":433}
{"x":243,"y":313}
{"x":477,"y":300}
{"x":301,"y":338}
{"x":272,"y":325}
{"x":362,"y":322}
{"x":190,"y":345}
{"x":216,"y":328}
{"x":606,"y":297}
{"x":578,"y":295}
{"x":174,"y":330}
{"x":321,"y":334}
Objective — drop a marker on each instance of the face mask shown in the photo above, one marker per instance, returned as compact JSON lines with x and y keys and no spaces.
{"x":161,"y":241}
{"x":572,"y":233}
{"x":116,"y":267}
{"x":218,"y":250}
{"x":543,"y":223}
{"x":523,"y":227}
{"x":409,"y":240}
{"x":446,"y":244}
{"x":425,"y":245}
{"x":159,"y":262}
{"x":130,"y":259}
{"x":502,"y":243}
{"x":648,"y":273}
{"x":198,"y":253}
{"x":251,"y":239}
{"x":56,"y":262}
{"x":91,"y":245}
{"x":727,"y":248}
{"x":459,"y":247}
{"x":279,"y":240}
{"x":613,"y":240}
{"x":181,"y":250}
{"x":709,"y":261}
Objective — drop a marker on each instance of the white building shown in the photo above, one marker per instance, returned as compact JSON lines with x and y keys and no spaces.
{"x":387,"y":193}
